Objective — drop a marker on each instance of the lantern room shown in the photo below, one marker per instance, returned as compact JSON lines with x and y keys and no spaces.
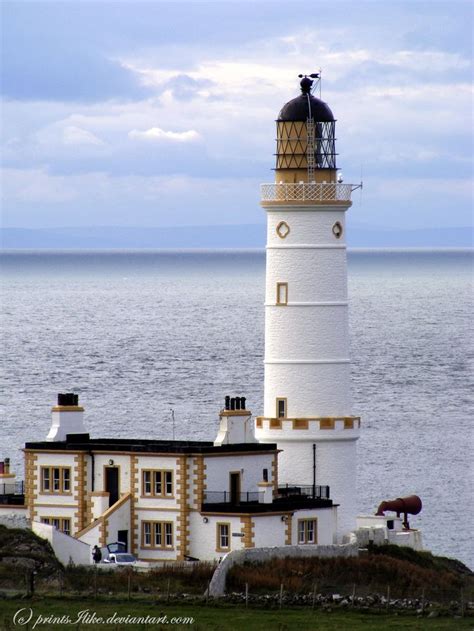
{"x":306,"y":149}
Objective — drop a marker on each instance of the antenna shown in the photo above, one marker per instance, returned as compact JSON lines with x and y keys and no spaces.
{"x":173,"y":421}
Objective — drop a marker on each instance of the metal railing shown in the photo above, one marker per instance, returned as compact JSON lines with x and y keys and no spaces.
{"x":12,"y":488}
{"x":306,"y":191}
{"x":315,"y":492}
{"x":226,"y":497}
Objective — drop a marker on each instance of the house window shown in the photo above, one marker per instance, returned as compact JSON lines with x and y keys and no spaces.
{"x":282,"y":294}
{"x":157,"y":534}
{"x":223,"y":537}
{"x":307,"y":531}
{"x":168,"y":534}
{"x":55,"y":480}
{"x":265,"y":475}
{"x":147,"y":483}
{"x":168,"y":483}
{"x":157,"y":483}
{"x":281,"y":408}
{"x":146,"y":539}
{"x":60,"y":523}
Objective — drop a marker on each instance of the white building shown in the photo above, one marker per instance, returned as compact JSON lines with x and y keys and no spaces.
{"x":307,"y":400}
{"x":168,"y":500}
{"x":287,"y":478}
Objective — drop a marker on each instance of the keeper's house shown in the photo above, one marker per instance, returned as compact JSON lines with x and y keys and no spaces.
{"x":168,"y":500}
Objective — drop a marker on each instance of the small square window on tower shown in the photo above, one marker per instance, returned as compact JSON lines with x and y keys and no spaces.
{"x":281,"y":408}
{"x":282,"y":294}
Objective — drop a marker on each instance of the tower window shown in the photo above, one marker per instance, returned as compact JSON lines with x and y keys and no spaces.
{"x":282,"y":293}
{"x":281,"y":408}
{"x":283,"y":229}
{"x":337,"y":230}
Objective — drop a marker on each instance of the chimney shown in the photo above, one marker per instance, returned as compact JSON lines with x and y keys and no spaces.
{"x":235,"y":423}
{"x":67,"y":418}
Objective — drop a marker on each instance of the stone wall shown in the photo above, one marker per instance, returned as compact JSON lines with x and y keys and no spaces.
{"x":14,"y":520}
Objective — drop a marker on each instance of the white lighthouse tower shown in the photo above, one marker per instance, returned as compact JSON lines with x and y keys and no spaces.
{"x":307,"y":399}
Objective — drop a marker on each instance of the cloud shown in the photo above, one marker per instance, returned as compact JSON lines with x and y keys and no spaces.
{"x":191,"y":97}
{"x":157,"y":134}
{"x":76,"y":136}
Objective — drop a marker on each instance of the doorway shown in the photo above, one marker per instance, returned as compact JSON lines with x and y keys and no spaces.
{"x":111,"y":485}
{"x":235,"y":487}
{"x":122,"y":536}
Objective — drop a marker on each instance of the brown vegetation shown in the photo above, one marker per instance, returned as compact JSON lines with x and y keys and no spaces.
{"x":407,"y":573}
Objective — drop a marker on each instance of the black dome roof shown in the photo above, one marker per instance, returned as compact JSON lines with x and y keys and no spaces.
{"x":297,"y":110}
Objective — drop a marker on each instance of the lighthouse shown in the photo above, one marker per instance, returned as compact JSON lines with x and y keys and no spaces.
{"x":307,"y":398}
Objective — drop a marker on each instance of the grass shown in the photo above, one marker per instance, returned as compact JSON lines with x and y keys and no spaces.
{"x":221,"y":617}
{"x":407,"y":572}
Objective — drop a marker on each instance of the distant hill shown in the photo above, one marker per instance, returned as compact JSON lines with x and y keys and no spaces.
{"x":241,"y":236}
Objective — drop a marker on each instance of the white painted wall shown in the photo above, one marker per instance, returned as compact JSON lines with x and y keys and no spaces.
{"x":335,"y":466}
{"x":317,"y":275}
{"x":65,"y":548}
{"x":327,"y":523}
{"x":203,"y":535}
{"x":168,"y":463}
{"x":54,"y":460}
{"x":123,"y":462}
{"x":64,"y":423}
{"x":235,"y":428}
{"x":287,"y":332}
{"x":147,"y":554}
{"x":311,"y":389}
{"x":92,"y":536}
{"x":307,"y":226}
{"x":307,"y":353}
{"x":269,"y":530}
{"x":251,"y":467}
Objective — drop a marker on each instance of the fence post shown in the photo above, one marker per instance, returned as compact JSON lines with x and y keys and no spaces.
{"x":246,"y":595}
{"x":353,"y":594}
{"x":207,"y":591}
{"x":95,"y":581}
{"x":281,"y":594}
{"x":423,"y":601}
{"x":168,"y":590}
{"x":314,"y":597}
{"x":388,"y":597}
{"x":129,"y":586}
{"x":462,"y":603}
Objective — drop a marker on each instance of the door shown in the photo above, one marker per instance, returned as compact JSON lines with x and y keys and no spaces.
{"x":235,"y":488}
{"x":112,"y":484}
{"x":122,"y":536}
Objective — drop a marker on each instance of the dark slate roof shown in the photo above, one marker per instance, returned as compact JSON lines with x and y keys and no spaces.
{"x":82,"y":442}
{"x":297,"y":110}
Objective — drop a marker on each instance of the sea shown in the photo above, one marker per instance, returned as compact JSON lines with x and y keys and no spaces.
{"x":154,"y":340}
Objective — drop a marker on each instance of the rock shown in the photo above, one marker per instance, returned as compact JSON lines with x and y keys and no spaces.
{"x":433,"y":614}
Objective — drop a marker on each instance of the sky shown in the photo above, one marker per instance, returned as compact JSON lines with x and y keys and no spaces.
{"x":162,"y":114}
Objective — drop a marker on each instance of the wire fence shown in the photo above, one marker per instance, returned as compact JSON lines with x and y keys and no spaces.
{"x":191,"y":583}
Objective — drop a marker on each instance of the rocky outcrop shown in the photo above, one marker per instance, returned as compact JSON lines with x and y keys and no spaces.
{"x":22,"y":551}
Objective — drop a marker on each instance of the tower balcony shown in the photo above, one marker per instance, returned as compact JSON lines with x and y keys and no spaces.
{"x":314,"y":193}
